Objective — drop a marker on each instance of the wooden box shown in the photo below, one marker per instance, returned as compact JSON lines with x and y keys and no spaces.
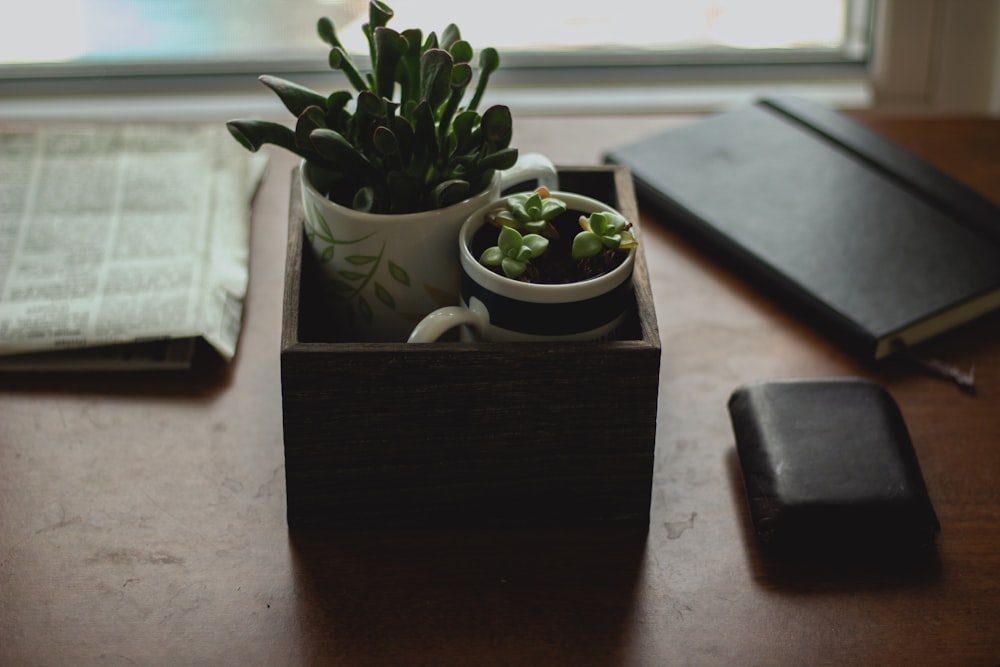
{"x":453,"y":433}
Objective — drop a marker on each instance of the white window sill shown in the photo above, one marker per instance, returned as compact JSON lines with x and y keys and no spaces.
{"x":544,"y":101}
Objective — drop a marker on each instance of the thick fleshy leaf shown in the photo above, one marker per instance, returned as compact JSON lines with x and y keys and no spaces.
{"x":533,"y":206}
{"x":385,"y":141}
{"x":461,"y":75}
{"x":513,"y":268}
{"x":463,"y":127}
{"x":379,"y":13}
{"x":536,"y":244}
{"x":389,"y":49}
{"x":327,"y":31}
{"x":333,"y":146}
{"x":598,"y":223}
{"x":505,"y":218}
{"x":414,"y":39}
{"x":450,"y":36}
{"x":535,"y":226}
{"x":552,"y":207}
{"x":498,"y":126}
{"x":404,"y":135}
{"x":611,"y":241}
{"x":517,"y":204}
{"x":253,"y":134}
{"x":461,"y":51}
{"x":339,"y":60}
{"x":489,"y":62}
{"x":311,"y":119}
{"x":609,"y":223}
{"x":335,"y":105}
{"x":370,"y":105}
{"x":509,"y":240}
{"x":491,"y":256}
{"x":586,"y":244}
{"x":435,"y":76}
{"x":296,"y":98}
{"x":618,"y":222}
{"x":425,"y":145}
{"x":450,"y":192}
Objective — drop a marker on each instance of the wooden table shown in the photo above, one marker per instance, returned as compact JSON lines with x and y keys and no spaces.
{"x":142,"y":517}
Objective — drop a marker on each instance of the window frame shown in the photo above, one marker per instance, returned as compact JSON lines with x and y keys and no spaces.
{"x":936,"y":56}
{"x":545,"y":82}
{"x":923,"y":56}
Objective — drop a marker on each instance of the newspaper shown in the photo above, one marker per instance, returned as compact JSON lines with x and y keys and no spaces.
{"x":120,"y":244}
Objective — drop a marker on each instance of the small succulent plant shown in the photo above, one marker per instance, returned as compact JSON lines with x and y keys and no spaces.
{"x":405,"y":143}
{"x":531,"y":211}
{"x":604,"y":230}
{"x":602,"y":234}
{"x":513,"y":251}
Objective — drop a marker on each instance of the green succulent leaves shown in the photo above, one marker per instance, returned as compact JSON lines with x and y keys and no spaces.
{"x":602,"y":230}
{"x":530,"y":211}
{"x":513,"y":251}
{"x":408,"y":140}
{"x":529,"y":219}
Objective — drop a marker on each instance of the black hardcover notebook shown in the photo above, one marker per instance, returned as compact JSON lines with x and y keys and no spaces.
{"x":872,"y":244}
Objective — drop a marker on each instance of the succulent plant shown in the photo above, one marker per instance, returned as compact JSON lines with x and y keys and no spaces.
{"x":405,"y":142}
{"x":602,"y":230}
{"x":513,"y":251}
{"x":531,"y":211}
{"x":539,"y":215}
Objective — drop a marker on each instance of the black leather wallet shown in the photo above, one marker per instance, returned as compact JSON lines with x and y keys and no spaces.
{"x":828,"y":463}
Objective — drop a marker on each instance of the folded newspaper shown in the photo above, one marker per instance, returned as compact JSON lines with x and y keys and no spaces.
{"x":122,"y":245}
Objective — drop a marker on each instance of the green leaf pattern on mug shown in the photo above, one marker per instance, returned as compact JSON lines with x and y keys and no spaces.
{"x":399,"y":274}
{"x":384,"y":296}
{"x":350,"y":283}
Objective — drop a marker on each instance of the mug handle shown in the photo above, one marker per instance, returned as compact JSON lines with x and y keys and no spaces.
{"x":434,"y":325}
{"x":531,"y":167}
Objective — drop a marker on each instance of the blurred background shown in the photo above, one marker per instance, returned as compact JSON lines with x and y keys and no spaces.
{"x":560,"y":56}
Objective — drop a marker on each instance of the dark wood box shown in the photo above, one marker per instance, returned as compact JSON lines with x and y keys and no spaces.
{"x":451,"y":433}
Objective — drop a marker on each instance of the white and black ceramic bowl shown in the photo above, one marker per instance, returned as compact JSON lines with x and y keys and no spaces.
{"x":497,"y":308}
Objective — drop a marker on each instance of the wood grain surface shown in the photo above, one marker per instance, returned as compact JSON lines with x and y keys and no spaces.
{"x":142,"y":517}
{"x":454,"y":432}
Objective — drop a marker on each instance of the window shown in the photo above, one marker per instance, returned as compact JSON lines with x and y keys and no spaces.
{"x":170,"y":37}
{"x":558,"y":56}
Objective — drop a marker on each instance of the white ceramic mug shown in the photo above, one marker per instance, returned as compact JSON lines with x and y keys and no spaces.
{"x":386,"y":272}
{"x":498,"y":308}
